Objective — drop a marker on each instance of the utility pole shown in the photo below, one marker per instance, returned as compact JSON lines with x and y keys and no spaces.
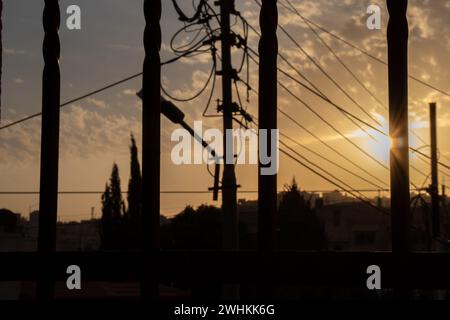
{"x":229,"y":187}
{"x":434,"y":187}
{"x":397,"y":37}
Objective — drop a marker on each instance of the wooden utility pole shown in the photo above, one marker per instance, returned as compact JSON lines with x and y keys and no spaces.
{"x":397,"y":37}
{"x":267,"y":114}
{"x":151,"y":142}
{"x":229,"y":186}
{"x":48,"y":194}
{"x":434,"y":187}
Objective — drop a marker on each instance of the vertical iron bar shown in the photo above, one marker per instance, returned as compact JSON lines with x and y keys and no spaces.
{"x":1,"y":55}
{"x":48,"y":196}
{"x":267,"y":113}
{"x":151,"y":134}
{"x":397,"y":37}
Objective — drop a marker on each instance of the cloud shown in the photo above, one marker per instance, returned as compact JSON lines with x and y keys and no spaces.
{"x":98,"y":103}
{"x":129,"y":92}
{"x":18,"y":81}
{"x":13,"y":52}
{"x":84,"y":133}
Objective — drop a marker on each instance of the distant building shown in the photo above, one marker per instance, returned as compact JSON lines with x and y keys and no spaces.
{"x":12,"y":233}
{"x":354,"y":226}
{"x":33,"y":225}
{"x":70,"y":236}
{"x":335,"y":197}
{"x":78,"y":236}
{"x":351,"y":225}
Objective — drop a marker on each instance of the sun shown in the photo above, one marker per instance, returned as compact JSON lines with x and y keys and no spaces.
{"x":379,"y":145}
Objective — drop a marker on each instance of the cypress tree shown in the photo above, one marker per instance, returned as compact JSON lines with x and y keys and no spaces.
{"x":117,"y":202}
{"x":113,"y":208}
{"x":134,"y":184}
{"x":134,"y":199}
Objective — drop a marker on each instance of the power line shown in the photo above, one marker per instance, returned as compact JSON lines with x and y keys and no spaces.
{"x":323,"y":96}
{"x":316,"y":171}
{"x":330,"y":161}
{"x":329,"y":146}
{"x":344,"y":136}
{"x":294,"y":10}
{"x":365,"y":52}
{"x":320,"y":96}
{"x":322,"y":118}
{"x":316,"y":91}
{"x":332,"y":126}
{"x":336,"y":130}
{"x":124,"y":192}
{"x":368,"y":203}
{"x":122,"y":81}
{"x":164,"y":63}
{"x":352,"y":192}
{"x":318,"y":167}
{"x":311,"y":163}
{"x":75,"y":99}
{"x":323,"y":157}
{"x":331,"y":181}
{"x":364,"y":201}
{"x":325,"y":72}
{"x":195,"y":191}
{"x":354,"y":76}
{"x":87,"y":95}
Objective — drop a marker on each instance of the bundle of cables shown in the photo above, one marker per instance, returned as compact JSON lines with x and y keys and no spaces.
{"x":198,"y":36}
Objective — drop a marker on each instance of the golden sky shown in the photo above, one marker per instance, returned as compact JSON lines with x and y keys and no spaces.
{"x":95,"y":132}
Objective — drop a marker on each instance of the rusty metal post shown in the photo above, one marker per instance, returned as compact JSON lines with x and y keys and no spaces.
{"x":267,"y":104}
{"x":151,"y":136}
{"x":48,"y":195}
{"x":397,"y":37}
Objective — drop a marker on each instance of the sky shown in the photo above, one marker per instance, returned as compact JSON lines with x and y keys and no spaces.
{"x":95,"y":132}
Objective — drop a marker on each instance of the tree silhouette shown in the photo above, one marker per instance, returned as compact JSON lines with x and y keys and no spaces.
{"x":134,"y":184}
{"x":113,"y":209}
{"x":300,"y":228}
{"x":194,"y":230}
{"x":132,"y":220}
{"x":8,"y":220}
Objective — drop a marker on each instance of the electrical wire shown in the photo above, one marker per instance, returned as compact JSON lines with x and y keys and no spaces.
{"x":334,"y":128}
{"x":307,"y":22}
{"x":196,"y":95}
{"x":183,"y":16}
{"x":321,"y":95}
{"x":368,"y":54}
{"x":316,"y":91}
